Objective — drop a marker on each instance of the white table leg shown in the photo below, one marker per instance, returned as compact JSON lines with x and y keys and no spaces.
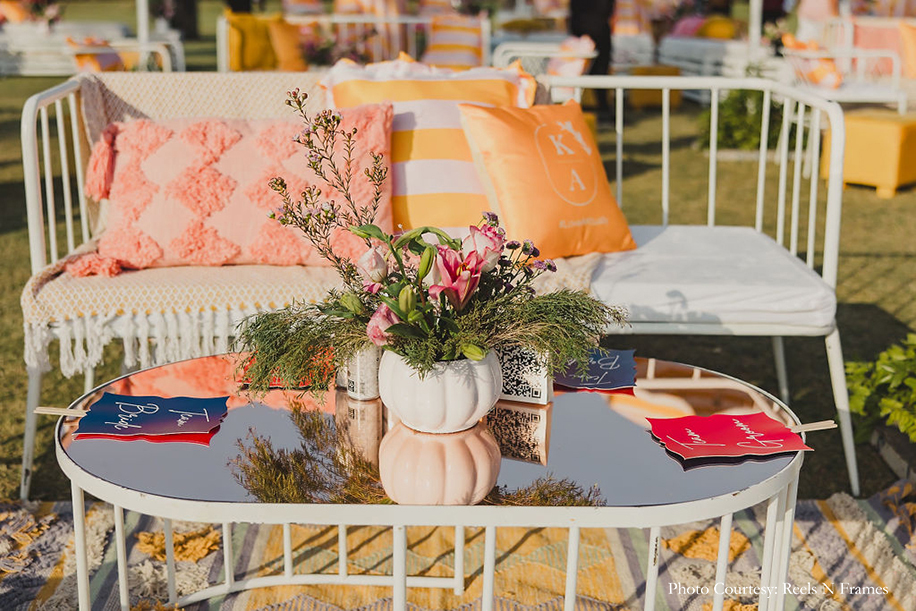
{"x":399,"y":570}
{"x":770,"y":534}
{"x":788,"y":517}
{"x":121,"y":547}
{"x":228,"y":561}
{"x":652,"y":567}
{"x":79,"y":540}
{"x":287,"y":551}
{"x":572,"y":569}
{"x":489,"y":568}
{"x":170,"y":560}
{"x":342,"y":550}
{"x":459,"y":561}
{"x":725,"y":537}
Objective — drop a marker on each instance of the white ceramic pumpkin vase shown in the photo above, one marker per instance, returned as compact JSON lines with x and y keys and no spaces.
{"x":452,"y":397}
{"x":449,"y":469}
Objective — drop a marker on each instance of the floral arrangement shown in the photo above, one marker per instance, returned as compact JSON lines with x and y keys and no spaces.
{"x":421,"y":293}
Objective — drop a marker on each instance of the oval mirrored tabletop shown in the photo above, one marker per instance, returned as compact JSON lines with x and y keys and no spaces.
{"x":592,"y":439}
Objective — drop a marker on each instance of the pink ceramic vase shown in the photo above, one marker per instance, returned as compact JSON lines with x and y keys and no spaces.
{"x":438,"y":469}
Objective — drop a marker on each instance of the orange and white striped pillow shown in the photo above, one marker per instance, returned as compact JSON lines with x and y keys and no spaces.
{"x":455,"y":42}
{"x":434,"y":181}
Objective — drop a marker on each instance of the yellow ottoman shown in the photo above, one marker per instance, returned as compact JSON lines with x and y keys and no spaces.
{"x":880,"y":150}
{"x":641,"y":98}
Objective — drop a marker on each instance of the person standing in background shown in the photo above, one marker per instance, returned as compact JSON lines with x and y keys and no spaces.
{"x":812,"y":17}
{"x":592,"y":18}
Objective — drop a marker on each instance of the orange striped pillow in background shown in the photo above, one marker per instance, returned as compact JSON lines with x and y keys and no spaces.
{"x":102,"y":59}
{"x":434,"y":181}
{"x":455,"y":42}
{"x":820,"y":71}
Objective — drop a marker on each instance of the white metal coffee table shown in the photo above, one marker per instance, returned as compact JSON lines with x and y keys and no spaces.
{"x":594,"y":439}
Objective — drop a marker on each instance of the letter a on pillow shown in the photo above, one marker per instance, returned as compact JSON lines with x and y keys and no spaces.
{"x":543,"y":174}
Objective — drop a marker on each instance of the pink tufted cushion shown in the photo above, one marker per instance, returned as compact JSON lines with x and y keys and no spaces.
{"x":195,"y":191}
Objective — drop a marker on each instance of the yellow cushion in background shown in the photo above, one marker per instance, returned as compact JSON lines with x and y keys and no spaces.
{"x":455,"y":42}
{"x":544,"y":176}
{"x":717,"y":26}
{"x":433,"y":175}
{"x":249,"y":42}
{"x":286,"y":41}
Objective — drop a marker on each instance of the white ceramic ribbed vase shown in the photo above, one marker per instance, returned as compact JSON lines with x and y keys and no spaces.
{"x":452,"y":397}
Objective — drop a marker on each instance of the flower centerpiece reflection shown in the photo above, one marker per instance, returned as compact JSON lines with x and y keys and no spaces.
{"x":438,"y":308}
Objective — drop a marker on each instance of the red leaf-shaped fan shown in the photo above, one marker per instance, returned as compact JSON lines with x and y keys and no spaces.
{"x":725,"y":435}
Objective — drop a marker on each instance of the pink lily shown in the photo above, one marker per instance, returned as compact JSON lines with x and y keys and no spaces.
{"x":487,"y":242}
{"x":456,"y":276}
{"x":380,"y":320}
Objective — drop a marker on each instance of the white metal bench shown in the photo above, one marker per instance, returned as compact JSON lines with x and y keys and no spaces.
{"x":408,"y":33}
{"x":708,"y":279}
{"x":26,"y":51}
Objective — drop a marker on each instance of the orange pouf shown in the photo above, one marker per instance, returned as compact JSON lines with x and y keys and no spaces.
{"x":880,"y":150}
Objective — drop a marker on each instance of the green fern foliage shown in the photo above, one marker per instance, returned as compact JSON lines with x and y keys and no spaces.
{"x":885,"y":390}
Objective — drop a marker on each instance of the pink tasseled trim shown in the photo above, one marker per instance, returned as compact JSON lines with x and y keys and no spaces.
{"x":201,"y":245}
{"x":202,"y":189}
{"x":211,"y":139}
{"x":101,"y":164}
{"x":92,"y":264}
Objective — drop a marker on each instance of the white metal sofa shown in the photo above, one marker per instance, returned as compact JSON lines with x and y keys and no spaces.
{"x":25,"y":50}
{"x":707,"y":279}
{"x":408,"y":33}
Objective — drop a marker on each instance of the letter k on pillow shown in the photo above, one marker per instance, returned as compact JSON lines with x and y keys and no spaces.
{"x":543,"y":175}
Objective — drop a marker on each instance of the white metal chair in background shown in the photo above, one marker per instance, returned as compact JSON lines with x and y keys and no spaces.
{"x":862,"y":81}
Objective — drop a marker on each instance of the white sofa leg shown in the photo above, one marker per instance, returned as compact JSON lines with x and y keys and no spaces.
{"x":28,"y":440}
{"x":841,"y":397}
{"x":779,"y":354}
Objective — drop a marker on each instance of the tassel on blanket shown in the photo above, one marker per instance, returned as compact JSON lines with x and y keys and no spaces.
{"x":101,"y":165}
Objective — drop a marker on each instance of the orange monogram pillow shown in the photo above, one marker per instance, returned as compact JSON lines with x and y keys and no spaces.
{"x":543,"y":175}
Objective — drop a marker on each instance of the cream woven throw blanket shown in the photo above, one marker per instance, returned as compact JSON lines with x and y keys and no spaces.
{"x":169,"y":314}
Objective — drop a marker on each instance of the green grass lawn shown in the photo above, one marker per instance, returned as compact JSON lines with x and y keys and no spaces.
{"x":876,"y":290}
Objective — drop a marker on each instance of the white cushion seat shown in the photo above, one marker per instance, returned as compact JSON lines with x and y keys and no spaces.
{"x":713,"y":275}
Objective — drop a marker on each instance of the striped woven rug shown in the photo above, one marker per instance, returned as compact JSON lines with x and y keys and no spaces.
{"x":861,"y":551}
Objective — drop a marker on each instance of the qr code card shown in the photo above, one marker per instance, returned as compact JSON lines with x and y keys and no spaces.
{"x":522,"y":431}
{"x":525,"y":376}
